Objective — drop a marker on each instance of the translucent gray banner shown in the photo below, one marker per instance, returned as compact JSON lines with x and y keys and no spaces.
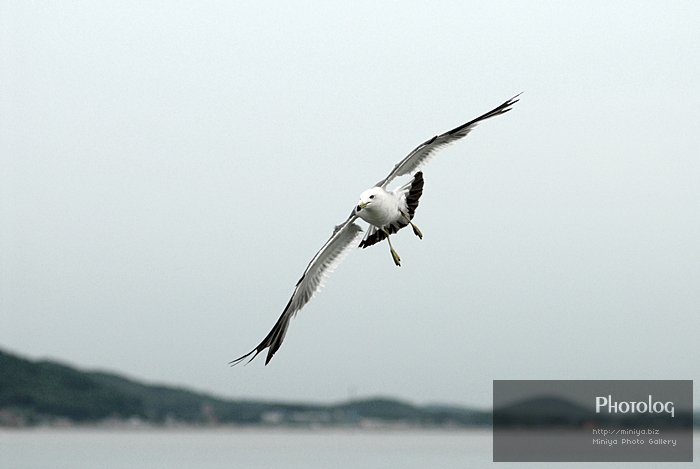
{"x":587,"y":421}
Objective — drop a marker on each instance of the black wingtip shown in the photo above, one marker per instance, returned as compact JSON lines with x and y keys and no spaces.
{"x":240,"y":359}
{"x":497,"y":111}
{"x":505,"y":107}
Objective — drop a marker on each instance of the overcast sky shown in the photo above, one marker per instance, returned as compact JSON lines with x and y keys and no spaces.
{"x":169,"y":169}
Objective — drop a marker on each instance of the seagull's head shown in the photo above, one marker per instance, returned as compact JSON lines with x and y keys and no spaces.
{"x":368,"y":197}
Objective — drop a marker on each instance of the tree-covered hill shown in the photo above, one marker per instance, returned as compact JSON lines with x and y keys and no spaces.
{"x":34,"y":392}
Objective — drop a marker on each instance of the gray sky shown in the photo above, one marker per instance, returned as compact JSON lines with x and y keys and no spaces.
{"x":169,"y":169}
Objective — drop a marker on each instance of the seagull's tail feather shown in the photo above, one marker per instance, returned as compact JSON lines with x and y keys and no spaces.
{"x":415,"y":190}
{"x":372,"y":237}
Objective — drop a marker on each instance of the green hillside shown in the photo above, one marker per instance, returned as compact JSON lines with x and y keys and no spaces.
{"x":38,"y":389}
{"x":36,"y":392}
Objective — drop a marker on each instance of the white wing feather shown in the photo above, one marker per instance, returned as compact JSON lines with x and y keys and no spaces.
{"x":344,"y":238}
{"x":425,"y":151}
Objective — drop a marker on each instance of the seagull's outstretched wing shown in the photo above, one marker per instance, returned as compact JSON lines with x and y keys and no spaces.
{"x":424,"y":152}
{"x":344,"y":238}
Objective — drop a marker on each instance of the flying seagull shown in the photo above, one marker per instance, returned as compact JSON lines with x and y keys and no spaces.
{"x":385,"y":211}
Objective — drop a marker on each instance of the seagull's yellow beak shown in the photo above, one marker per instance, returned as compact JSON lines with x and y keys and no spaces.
{"x":361,"y":205}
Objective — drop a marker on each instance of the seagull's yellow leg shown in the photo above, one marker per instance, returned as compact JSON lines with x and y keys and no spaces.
{"x":416,"y":231}
{"x":397,"y":259}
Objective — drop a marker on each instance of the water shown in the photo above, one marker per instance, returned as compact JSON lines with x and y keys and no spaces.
{"x":46,"y":448}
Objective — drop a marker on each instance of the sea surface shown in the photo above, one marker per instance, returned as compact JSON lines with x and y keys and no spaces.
{"x":243,"y":448}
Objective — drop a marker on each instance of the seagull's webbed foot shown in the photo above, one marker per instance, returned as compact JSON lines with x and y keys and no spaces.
{"x":416,"y":231}
{"x":397,"y":259}
{"x":394,"y":254}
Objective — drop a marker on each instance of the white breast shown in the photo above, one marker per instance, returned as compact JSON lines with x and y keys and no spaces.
{"x":383,"y":210}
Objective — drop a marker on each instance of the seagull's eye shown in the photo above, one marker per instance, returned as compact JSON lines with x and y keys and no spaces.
{"x":371,"y":197}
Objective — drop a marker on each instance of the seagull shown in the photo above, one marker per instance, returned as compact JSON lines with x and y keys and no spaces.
{"x":385,"y":211}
